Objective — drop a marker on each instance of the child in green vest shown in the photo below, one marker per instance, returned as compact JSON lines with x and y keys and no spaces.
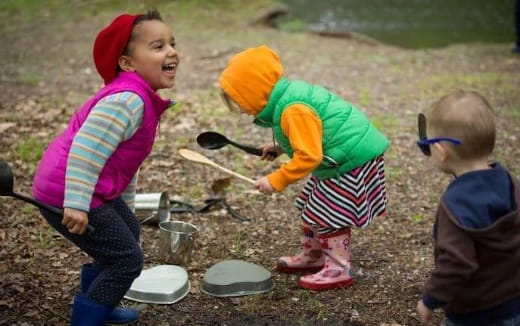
{"x":328,"y":139}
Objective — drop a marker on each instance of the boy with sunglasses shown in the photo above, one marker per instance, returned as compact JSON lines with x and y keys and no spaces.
{"x":476,"y":279}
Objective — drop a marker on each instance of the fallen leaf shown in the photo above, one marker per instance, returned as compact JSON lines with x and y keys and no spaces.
{"x":6,"y":125}
{"x":31,"y":313}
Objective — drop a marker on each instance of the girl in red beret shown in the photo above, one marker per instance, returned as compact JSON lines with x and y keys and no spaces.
{"x":90,"y":169}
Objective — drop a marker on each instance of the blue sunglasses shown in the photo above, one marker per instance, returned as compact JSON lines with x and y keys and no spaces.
{"x":424,"y":143}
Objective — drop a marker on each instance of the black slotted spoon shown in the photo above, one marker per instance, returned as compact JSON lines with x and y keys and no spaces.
{"x":214,"y":140}
{"x":7,"y":186}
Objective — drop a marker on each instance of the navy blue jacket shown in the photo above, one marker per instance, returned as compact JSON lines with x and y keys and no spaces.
{"x":477,"y":248}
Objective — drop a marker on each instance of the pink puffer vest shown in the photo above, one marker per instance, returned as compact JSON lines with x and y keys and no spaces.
{"x":49,"y":179}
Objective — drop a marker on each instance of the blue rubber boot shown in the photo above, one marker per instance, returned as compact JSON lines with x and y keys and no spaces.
{"x":86,"y":312}
{"x":119,"y":316}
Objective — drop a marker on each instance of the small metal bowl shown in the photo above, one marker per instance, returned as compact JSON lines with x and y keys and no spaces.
{"x":232,"y":278}
{"x":163,"y":284}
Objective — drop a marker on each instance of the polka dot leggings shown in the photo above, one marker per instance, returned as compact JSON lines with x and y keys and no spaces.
{"x":114,"y":246}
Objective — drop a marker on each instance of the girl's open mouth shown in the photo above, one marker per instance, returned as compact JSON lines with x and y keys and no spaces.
{"x":170,"y":68}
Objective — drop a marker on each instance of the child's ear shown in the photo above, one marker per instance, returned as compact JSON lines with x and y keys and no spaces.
{"x":443,"y":152}
{"x":125,"y":63}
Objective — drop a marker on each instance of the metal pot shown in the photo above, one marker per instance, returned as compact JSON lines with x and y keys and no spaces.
{"x":176,"y":242}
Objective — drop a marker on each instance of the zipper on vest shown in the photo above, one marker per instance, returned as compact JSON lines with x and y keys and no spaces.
{"x":274,"y":139}
{"x":333,"y":163}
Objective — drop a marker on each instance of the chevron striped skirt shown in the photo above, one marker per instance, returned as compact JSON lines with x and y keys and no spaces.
{"x":352,"y":201}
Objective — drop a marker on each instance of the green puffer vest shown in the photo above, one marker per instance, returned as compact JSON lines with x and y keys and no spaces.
{"x":349,"y":138}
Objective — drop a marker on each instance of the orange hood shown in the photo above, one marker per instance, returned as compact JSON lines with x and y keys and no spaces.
{"x":250,"y":77}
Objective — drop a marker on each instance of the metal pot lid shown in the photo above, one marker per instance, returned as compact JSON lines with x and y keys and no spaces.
{"x":236,"y":278}
{"x":163,"y":284}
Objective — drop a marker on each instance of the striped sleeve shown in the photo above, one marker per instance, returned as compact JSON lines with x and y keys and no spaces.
{"x":111,"y":121}
{"x":128,"y":195}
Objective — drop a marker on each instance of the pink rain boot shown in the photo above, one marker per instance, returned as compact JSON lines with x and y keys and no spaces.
{"x":309,"y":260}
{"x":336,"y":272}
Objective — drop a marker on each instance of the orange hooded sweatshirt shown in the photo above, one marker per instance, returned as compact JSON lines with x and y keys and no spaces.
{"x":249,"y":79}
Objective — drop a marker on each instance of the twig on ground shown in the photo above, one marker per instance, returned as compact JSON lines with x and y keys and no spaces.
{"x":369,"y":259}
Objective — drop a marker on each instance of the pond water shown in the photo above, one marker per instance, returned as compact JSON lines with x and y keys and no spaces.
{"x":410,"y":23}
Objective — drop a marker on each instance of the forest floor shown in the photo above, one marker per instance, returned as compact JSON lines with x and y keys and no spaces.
{"x":46,"y":72}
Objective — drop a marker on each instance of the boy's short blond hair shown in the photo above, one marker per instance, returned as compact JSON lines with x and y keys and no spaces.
{"x":465,"y":115}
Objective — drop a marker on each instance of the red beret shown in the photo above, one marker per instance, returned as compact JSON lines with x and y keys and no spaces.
{"x":110,"y":44}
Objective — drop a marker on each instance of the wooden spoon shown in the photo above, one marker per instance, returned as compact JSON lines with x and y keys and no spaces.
{"x":199,"y":158}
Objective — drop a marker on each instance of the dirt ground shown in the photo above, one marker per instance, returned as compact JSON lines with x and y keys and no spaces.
{"x":46,"y":72}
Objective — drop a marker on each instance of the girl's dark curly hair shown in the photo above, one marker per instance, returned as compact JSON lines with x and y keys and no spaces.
{"x":152,"y":14}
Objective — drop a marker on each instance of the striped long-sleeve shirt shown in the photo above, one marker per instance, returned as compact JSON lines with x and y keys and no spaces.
{"x":114,"y":119}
